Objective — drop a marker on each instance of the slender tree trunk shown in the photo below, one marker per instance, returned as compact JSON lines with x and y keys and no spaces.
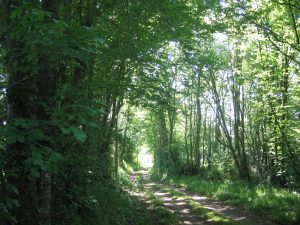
{"x":186,"y":135}
{"x":198,"y":130}
{"x":116,"y":153}
{"x":164,"y":142}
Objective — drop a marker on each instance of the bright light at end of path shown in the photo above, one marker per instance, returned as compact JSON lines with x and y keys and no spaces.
{"x":145,"y":158}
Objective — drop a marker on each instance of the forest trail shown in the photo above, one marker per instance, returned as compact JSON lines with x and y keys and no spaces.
{"x":178,"y":200}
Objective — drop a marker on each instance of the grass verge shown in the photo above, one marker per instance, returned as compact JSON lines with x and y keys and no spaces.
{"x":278,"y":204}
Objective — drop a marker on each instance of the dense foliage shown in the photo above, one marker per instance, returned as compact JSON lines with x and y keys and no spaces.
{"x":210,"y":86}
{"x":227,"y":100}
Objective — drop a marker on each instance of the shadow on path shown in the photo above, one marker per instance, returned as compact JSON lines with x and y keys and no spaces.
{"x":185,"y":212}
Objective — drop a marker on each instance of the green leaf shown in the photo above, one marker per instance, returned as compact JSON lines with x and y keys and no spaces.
{"x":15,"y":135}
{"x":65,"y":130}
{"x":16,"y":13}
{"x":79,"y":134}
{"x":36,"y":135}
{"x":26,"y":123}
{"x":15,"y":202}
{"x":12,"y":188}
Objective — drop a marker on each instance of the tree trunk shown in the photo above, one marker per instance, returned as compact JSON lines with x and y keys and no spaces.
{"x":164,"y":142}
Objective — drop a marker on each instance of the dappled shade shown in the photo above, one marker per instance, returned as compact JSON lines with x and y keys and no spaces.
{"x":203,"y":93}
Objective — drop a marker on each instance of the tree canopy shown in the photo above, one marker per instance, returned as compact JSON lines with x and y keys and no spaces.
{"x":211,"y":87}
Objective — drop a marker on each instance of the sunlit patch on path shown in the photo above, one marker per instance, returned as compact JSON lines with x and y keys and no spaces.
{"x":195,"y":209}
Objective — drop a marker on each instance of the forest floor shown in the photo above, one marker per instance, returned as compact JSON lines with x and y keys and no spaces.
{"x":195,"y":209}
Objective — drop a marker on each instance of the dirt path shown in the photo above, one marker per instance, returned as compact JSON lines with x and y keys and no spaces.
{"x":185,"y":212}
